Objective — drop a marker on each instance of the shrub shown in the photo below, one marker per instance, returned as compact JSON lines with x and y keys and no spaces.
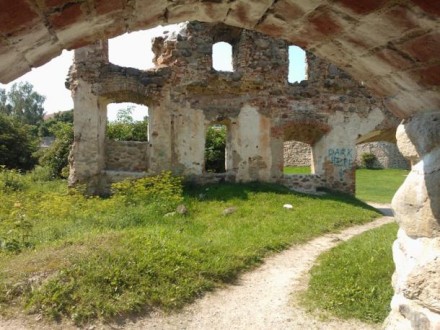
{"x":368,"y":160}
{"x":17,"y":144}
{"x":56,"y":156}
{"x":163,"y":190}
{"x":11,"y":180}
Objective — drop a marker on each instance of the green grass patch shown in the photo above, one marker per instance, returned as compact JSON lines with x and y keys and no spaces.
{"x":67,"y":256}
{"x":297,"y":170}
{"x":353,"y":280}
{"x":378,"y":185}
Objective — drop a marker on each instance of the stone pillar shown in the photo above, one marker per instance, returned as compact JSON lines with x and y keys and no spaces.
{"x":416,"y":281}
{"x":87,"y":159}
{"x":161,"y":133}
{"x":256,"y":155}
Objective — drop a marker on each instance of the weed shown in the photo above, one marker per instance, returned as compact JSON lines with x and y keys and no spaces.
{"x":101,"y":258}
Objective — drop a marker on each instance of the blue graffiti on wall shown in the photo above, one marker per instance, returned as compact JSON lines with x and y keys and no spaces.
{"x":342,"y":158}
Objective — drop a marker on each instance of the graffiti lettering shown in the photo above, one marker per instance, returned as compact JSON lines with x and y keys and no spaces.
{"x":341,"y":158}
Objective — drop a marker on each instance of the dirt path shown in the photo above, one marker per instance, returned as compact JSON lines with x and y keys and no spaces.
{"x":262,"y":299}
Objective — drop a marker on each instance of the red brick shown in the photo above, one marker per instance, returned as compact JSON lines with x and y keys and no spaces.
{"x":430,"y":6}
{"x":402,"y":17}
{"x":324,"y":23}
{"x":424,"y":48}
{"x":108,"y":6}
{"x":69,"y":15}
{"x":428,"y":76}
{"x":362,"y":7}
{"x":393,"y":58}
{"x":15,"y":14}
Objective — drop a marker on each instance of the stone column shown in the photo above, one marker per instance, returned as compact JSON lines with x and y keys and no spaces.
{"x":87,"y":159}
{"x":416,"y":281}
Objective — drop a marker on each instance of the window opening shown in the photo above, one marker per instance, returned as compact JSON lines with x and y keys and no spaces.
{"x":297,"y":157}
{"x":215,"y":148}
{"x":297,"y":65}
{"x":127,"y":122}
{"x":222,"y":57}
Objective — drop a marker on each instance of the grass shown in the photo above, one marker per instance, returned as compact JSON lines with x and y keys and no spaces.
{"x":371,"y":185}
{"x":67,"y":256}
{"x":378,"y":185}
{"x":297,"y":170}
{"x":353,"y":280}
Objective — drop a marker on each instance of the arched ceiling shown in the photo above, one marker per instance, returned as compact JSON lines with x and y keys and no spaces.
{"x":392,"y":46}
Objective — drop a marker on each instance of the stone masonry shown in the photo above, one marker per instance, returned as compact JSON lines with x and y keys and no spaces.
{"x":391,"y":47}
{"x":185,"y":95}
{"x":387,"y":154}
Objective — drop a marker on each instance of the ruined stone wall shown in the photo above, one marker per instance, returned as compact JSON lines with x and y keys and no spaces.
{"x":297,"y":154}
{"x":129,"y":156}
{"x":307,"y":183}
{"x":387,"y":154}
{"x":261,"y":110}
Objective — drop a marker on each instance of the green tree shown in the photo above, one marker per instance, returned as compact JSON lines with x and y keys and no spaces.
{"x":125,"y":128}
{"x":215,"y":149}
{"x":23,"y":103}
{"x":56,"y":156}
{"x":62,"y":116}
{"x":17,"y":144}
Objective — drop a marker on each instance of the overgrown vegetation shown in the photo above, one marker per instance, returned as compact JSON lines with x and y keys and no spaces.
{"x":353,"y":280}
{"x":125,"y":128}
{"x":55,"y":158}
{"x":84,"y":258}
{"x":215,"y":149}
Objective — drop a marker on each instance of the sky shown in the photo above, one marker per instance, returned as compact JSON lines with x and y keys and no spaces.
{"x":49,"y":79}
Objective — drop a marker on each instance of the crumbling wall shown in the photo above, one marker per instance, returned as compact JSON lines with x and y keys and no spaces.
{"x":387,"y":154}
{"x":129,"y":156}
{"x":185,"y":95}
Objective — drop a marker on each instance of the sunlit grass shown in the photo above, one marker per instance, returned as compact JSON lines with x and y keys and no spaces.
{"x":378,"y":185}
{"x":297,"y":170}
{"x":101,"y":258}
{"x":353,"y":280}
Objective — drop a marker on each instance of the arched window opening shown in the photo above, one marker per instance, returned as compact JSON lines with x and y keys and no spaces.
{"x":215,"y":149}
{"x":297,"y":65}
{"x":222,"y":57}
{"x":127,"y":122}
{"x":297,"y":157}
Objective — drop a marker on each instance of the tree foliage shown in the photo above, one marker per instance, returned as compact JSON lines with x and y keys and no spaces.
{"x":45,"y":129}
{"x":215,"y":149}
{"x":56,"y":156}
{"x":125,"y":128}
{"x":23,"y":103}
{"x":17,"y":144}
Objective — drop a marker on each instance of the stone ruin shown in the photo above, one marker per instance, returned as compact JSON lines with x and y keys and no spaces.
{"x":260,"y":109}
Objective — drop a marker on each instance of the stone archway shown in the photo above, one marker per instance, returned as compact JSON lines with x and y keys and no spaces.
{"x":391,"y":47}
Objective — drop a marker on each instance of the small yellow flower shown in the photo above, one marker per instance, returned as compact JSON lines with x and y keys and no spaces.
{"x":17,"y":205}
